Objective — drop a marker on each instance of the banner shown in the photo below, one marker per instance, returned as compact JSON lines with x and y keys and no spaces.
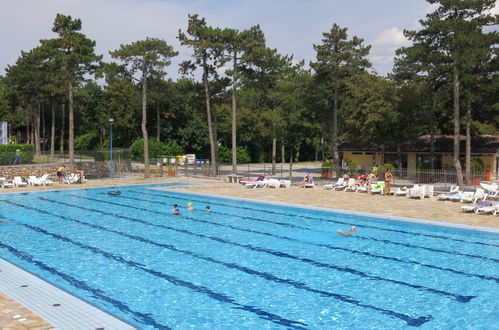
{"x":3,"y":133}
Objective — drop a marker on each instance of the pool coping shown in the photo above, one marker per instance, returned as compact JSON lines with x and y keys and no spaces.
{"x":60,"y":308}
{"x":349,"y":212}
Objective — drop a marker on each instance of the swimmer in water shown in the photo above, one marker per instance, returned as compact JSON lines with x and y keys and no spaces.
{"x":348,"y":233}
{"x":175,"y":210}
{"x":189,"y":207}
{"x":208,"y":209}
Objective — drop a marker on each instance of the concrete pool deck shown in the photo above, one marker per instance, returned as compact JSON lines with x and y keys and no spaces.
{"x":443,"y":212}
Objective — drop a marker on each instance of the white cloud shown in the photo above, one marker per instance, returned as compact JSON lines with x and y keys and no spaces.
{"x":385,"y":45}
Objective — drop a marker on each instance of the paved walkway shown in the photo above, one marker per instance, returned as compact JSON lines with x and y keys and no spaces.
{"x":15,"y":316}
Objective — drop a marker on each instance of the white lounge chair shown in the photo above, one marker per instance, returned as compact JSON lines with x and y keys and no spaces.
{"x":273,"y":183}
{"x":487,"y":209}
{"x":284,"y":183}
{"x":69,"y":179}
{"x":351,"y":185}
{"x":5,"y":183}
{"x":311,"y":184}
{"x":416,"y":192}
{"x":445,"y":196}
{"x":257,"y":184}
{"x":401,"y":191}
{"x":45,"y":180}
{"x":339,"y":184}
{"x":34,"y":181}
{"x":18,"y":182}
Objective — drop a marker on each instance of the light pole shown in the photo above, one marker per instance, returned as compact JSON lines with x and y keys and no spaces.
{"x":111,"y":121}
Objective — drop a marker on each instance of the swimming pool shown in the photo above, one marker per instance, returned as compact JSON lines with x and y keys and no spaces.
{"x":249,"y":265}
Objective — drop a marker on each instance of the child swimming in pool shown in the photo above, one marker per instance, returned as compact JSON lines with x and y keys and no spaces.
{"x":347,"y":233}
{"x":190,"y":207}
{"x":175,"y":210}
{"x":207,"y":209}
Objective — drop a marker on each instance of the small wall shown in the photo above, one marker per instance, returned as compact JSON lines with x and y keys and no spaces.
{"x":91,"y":169}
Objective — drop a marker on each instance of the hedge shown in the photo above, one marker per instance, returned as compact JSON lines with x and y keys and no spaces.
{"x":8,"y":153}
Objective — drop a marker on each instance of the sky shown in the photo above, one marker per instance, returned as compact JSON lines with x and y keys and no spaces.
{"x":290,"y":26}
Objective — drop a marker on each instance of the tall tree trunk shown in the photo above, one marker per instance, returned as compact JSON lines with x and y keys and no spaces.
{"x":158,"y":123}
{"x":43,"y":136}
{"x":213,"y":147}
{"x":71,"y":128}
{"x":336,"y":154}
{"x":52,"y":131}
{"x":36,"y":131}
{"x":323,"y":154}
{"x":234,"y":117}
{"x":457,"y":125}
{"x":63,"y":111}
{"x":382,"y":165}
{"x":143,"y":124}
{"x":291,"y":164}
{"x":283,"y":155}
{"x":274,"y":152}
{"x":399,"y":157}
{"x":432,"y":135}
{"x":468,"y":143}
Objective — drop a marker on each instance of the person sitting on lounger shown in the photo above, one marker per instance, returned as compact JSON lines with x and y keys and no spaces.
{"x":307,"y":179}
{"x":347,"y":233}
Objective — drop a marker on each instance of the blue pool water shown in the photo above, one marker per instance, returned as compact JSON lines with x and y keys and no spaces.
{"x":250,"y":265}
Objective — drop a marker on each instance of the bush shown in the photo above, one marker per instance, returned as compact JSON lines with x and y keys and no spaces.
{"x":86,"y":141}
{"x":388,"y":166}
{"x":477,"y":166}
{"x":8,"y":153}
{"x":353,"y":165}
{"x":328,"y":166}
{"x":156,"y":149}
{"x":225,"y":155}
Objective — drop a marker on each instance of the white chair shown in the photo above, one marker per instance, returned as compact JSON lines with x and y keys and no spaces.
{"x":446,"y":196}
{"x":428,"y":191}
{"x":491,"y":208}
{"x":69,"y":179}
{"x":18,"y":182}
{"x":5,"y":183}
{"x":257,"y":184}
{"x":416,"y":192}
{"x":45,"y":180}
{"x":339,"y":184}
{"x":34,"y":181}
{"x":401,"y":191}
{"x":273,"y":183}
{"x":284,"y":183}
{"x":351,"y":185}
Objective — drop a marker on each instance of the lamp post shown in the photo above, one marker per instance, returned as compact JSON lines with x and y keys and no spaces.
{"x":111,"y":121}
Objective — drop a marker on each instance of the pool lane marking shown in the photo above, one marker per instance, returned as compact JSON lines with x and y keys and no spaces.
{"x":312,"y":218}
{"x":174,"y":280}
{"x":457,"y":297}
{"x":331,"y":247}
{"x":390,"y":242}
{"x":267,"y":276}
{"x":146,"y":319}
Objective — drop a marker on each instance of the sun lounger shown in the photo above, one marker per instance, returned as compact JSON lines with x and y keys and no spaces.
{"x":474,"y":207}
{"x":284,"y":183}
{"x":273,"y":183}
{"x":18,"y":182}
{"x":257,"y":184}
{"x":340,"y":184}
{"x":45,"y":180}
{"x":416,"y":192}
{"x":378,"y":187}
{"x":487,"y":208}
{"x":34,"y":181}
{"x":401,"y":191}
{"x":351,"y":185}
{"x":446,"y":196}
{"x":5,"y":183}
